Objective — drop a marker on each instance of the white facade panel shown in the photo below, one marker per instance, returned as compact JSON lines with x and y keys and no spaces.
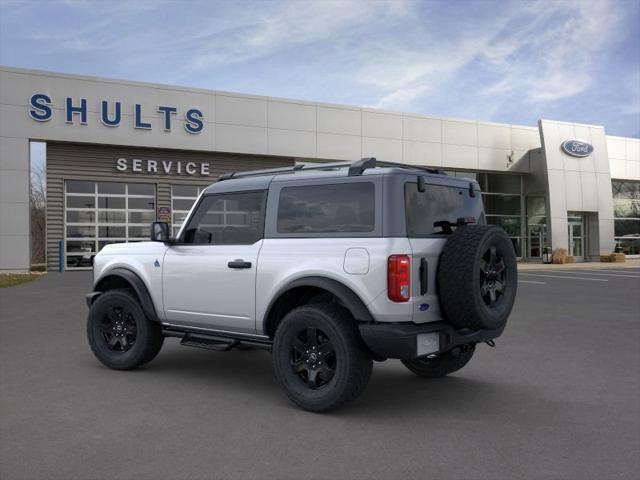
{"x":523,"y":138}
{"x":458,"y":156}
{"x":617,"y":148}
{"x":382,"y":148}
{"x":492,"y":158}
{"x":339,"y":147}
{"x":618,"y":168}
{"x":291,"y":116}
{"x":250,"y":112}
{"x":494,"y":136}
{"x":422,"y":153}
{"x":235,"y":138}
{"x":457,"y":132}
{"x":343,"y":121}
{"x":381,"y":125}
{"x":419,"y":129}
{"x":293,"y":143}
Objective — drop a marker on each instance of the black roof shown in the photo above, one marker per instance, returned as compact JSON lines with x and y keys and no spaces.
{"x":260,"y":179}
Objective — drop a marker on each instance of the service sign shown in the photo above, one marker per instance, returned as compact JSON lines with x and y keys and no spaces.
{"x":577,"y":148}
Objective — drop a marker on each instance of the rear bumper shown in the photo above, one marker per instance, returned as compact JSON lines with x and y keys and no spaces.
{"x":402,"y":340}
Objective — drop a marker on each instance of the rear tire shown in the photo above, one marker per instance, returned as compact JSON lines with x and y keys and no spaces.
{"x":119,"y":333}
{"x":441,"y":365}
{"x":319,"y":358}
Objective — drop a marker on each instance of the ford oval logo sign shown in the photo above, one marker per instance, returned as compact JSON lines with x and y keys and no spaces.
{"x":576,"y":148}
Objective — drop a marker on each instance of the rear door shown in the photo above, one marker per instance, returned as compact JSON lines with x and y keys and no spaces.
{"x":209,"y":276}
{"x":425,"y":210}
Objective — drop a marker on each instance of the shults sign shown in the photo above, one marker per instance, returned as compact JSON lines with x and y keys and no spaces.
{"x":41,"y":109}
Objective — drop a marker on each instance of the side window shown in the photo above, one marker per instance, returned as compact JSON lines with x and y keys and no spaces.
{"x":438,"y":203}
{"x":342,"y":207}
{"x":227,"y":219}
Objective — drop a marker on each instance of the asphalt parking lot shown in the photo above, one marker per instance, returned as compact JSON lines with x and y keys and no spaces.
{"x":559,"y":397}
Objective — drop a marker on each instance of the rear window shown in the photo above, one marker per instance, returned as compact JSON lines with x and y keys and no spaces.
{"x":437,"y":203}
{"x":344,"y":207}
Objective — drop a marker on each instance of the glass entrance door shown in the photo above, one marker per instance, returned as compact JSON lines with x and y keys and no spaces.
{"x":537,"y":240}
{"x":576,"y":236}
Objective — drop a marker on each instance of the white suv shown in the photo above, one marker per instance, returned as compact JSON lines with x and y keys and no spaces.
{"x":329,"y":267}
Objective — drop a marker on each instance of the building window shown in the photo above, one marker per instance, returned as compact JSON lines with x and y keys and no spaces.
{"x":502,"y":197}
{"x":182,"y":199}
{"x":100,"y":213}
{"x":626,"y":212}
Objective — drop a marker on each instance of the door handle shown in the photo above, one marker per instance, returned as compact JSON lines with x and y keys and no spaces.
{"x":239,"y":263}
{"x":424,"y":276}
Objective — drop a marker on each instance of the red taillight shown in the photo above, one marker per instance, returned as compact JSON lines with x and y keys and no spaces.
{"x":398,"y":277}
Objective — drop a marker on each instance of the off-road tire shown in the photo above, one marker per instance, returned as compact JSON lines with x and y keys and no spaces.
{"x":148,"y":338}
{"x":463,"y":277}
{"x":441,"y":365}
{"x":352,"y":362}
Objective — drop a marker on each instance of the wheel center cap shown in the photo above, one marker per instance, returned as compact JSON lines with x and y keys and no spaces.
{"x":313,"y":357}
{"x":119,"y":328}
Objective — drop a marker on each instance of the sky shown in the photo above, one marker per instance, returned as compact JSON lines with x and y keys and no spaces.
{"x":501,"y":61}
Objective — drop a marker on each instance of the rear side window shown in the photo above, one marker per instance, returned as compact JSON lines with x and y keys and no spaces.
{"x":343,"y":207}
{"x":437,"y":203}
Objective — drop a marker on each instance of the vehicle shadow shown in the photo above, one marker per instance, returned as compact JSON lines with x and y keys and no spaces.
{"x":393,"y":391}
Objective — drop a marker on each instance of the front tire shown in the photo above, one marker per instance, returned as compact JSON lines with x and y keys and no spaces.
{"x":319,"y":358}
{"x":443,"y":364}
{"x":119,"y":333}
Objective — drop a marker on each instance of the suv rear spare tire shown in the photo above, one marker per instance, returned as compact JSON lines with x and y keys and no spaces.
{"x":477,"y":277}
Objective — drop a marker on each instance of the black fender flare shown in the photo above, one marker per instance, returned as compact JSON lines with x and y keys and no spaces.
{"x":347,"y":296}
{"x":138,"y":286}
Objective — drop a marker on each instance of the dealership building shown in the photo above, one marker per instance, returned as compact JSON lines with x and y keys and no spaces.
{"x":115,"y":155}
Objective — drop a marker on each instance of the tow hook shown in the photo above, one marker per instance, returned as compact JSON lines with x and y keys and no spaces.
{"x":491,"y":343}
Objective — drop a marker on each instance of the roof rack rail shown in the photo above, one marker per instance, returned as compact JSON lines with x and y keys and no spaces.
{"x":358,"y":167}
{"x":281,"y":170}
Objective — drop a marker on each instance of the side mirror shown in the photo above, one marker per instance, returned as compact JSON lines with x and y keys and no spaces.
{"x":160,"y":232}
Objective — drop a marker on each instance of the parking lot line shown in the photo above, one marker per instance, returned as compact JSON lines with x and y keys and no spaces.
{"x":598,"y":273}
{"x":532,"y":281}
{"x":626,"y":270}
{"x":568,"y":278}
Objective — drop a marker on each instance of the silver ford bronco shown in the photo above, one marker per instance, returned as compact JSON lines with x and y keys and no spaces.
{"x":329,"y":267}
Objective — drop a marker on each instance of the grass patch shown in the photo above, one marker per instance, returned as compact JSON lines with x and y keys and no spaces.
{"x":13,"y":279}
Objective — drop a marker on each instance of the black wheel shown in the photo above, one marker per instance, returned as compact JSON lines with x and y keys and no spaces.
{"x":319,"y":358}
{"x":477,"y":277}
{"x":119,"y":333}
{"x":443,"y":364}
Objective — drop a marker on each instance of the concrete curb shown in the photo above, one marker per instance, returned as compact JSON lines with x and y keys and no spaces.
{"x":630,"y":263}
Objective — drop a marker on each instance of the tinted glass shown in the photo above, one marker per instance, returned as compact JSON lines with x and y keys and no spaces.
{"x":511,"y":225}
{"x":232,"y":219}
{"x":438,"y":203}
{"x":111,"y":202}
{"x":74,"y":216}
{"x":499,"y":183}
{"x":111,"y":187}
{"x":627,"y":228}
{"x":502,"y":204}
{"x":626,"y":208}
{"x":112,"y":217}
{"x":141,"y":203}
{"x":74,"y":186}
{"x":626,"y":189}
{"x":141,"y":189}
{"x":111,"y":232}
{"x":81,"y":202}
{"x":347,"y":207}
